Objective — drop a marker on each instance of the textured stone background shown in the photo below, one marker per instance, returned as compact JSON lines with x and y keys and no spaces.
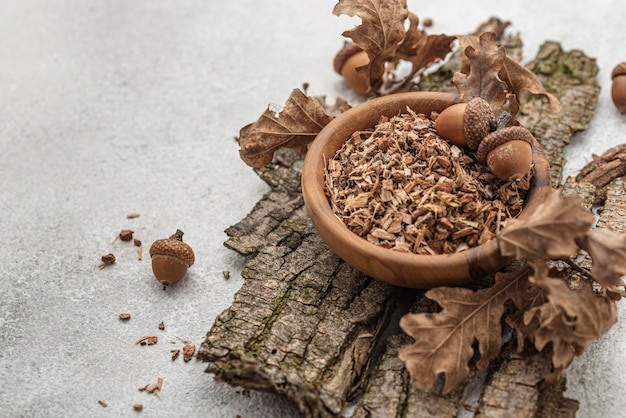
{"x":109,"y":107}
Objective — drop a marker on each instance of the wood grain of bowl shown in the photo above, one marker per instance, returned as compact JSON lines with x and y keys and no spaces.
{"x":398,"y":268}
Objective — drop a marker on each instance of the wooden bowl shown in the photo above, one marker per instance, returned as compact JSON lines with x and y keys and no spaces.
{"x":398,"y":268}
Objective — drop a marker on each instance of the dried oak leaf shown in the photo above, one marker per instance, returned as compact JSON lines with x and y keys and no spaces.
{"x":570,"y":320}
{"x":487,"y":72}
{"x":295,"y":126}
{"x":420,"y":49}
{"x":550,"y":232}
{"x":444,"y":341}
{"x":607,"y":249}
{"x":380,"y":33}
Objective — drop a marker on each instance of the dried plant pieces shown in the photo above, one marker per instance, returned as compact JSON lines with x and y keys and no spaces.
{"x":107,"y":260}
{"x":154,"y":388}
{"x":126,"y":234}
{"x":403,"y":187}
{"x":147,"y":340}
{"x":188,"y":351}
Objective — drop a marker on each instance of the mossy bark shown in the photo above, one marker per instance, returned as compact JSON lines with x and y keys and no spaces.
{"x":305,"y":324}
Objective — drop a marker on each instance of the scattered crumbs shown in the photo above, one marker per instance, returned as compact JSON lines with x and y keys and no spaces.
{"x":107,"y":260}
{"x":188,"y":351}
{"x":175,"y":353}
{"x":137,"y":407}
{"x":182,"y":340}
{"x":133,"y":215}
{"x":147,"y":340}
{"x":126,"y":234}
{"x":124,"y":316}
{"x":154,"y":388}
{"x":101,"y":402}
{"x":226,"y":274}
{"x":161,"y":325}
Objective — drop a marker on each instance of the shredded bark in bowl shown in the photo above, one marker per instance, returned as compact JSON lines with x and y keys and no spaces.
{"x":401,"y":186}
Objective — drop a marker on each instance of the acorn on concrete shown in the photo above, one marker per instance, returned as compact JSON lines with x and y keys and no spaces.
{"x":467,"y":123}
{"x":618,"y":86}
{"x":171,"y":258}
{"x":507,"y":152}
{"x":346,"y":62}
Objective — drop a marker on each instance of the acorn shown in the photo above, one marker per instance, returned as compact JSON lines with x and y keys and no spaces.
{"x":346,"y":62}
{"x":618,"y":86}
{"x":507,"y":152}
{"x":467,"y":123}
{"x":171,"y":258}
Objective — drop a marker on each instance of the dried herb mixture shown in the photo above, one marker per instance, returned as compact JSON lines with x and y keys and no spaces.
{"x":403,"y":187}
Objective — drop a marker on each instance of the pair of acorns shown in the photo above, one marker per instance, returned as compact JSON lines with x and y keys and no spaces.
{"x":506,"y":151}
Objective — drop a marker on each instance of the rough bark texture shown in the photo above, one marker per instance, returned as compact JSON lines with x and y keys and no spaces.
{"x":604,"y":169}
{"x":304,"y":324}
{"x":571,"y":76}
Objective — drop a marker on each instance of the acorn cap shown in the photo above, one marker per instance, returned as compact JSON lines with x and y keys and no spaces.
{"x":620,"y":69}
{"x":173,"y":247}
{"x":348,"y":50}
{"x":477,"y":121}
{"x":501,"y":136}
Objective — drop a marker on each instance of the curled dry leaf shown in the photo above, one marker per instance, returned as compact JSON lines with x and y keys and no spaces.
{"x":607,"y":249}
{"x":422,"y":50}
{"x":383,"y":37}
{"x":380,"y":33}
{"x":487,"y":72}
{"x":444,"y":341}
{"x":570,"y":320}
{"x":295,"y":126}
{"x":550,"y":232}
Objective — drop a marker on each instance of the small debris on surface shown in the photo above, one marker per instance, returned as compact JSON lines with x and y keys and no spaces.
{"x":101,"y":402}
{"x":188,"y":351}
{"x":154,"y":388}
{"x":175,"y":353}
{"x":147,"y":340}
{"x":107,"y":260}
{"x":137,"y":407}
{"x":161,"y":325}
{"x":226,"y":274}
{"x":133,"y":215}
{"x":126,"y":234}
{"x":124,"y":316}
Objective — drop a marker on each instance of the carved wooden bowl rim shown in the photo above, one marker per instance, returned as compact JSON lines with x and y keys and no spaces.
{"x":398,"y":268}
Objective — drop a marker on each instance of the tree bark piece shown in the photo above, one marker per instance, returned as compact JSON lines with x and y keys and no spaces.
{"x":571,"y":76}
{"x":304,"y":323}
{"x":603,"y":170}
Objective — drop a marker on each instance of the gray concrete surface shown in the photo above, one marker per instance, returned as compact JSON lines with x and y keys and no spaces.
{"x":109,"y":107}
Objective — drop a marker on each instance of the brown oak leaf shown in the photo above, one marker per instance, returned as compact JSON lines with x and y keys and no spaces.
{"x":607,"y":249}
{"x":550,"y":232}
{"x":570,"y":319}
{"x":444,"y":341}
{"x":487,"y":72}
{"x":481,"y":63}
{"x":380,"y":33}
{"x":295,"y":126}
{"x":421,"y":49}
